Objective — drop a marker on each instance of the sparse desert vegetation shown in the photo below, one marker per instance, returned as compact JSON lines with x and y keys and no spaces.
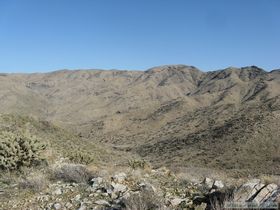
{"x":139,"y":105}
{"x":191,"y":143}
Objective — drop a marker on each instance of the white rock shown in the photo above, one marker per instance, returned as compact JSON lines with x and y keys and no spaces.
{"x":77,"y":197}
{"x":58,"y":191}
{"x":114,"y":195}
{"x":218,"y":184}
{"x":208,"y":182}
{"x":176,"y":201}
{"x":57,"y":206}
{"x":121,"y":177}
{"x":102,"y":202}
{"x":142,"y":184}
{"x":97,"y":180}
{"x":82,"y":207}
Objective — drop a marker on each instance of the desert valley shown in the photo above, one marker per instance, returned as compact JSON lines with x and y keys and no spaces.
{"x":170,"y":137}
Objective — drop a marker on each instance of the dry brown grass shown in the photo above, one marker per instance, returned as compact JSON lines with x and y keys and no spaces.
{"x":35,"y":182}
{"x":145,"y":200}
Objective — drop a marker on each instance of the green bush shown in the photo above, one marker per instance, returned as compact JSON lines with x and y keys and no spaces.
{"x":134,"y":164}
{"x":80,"y":157}
{"x":18,"y":150}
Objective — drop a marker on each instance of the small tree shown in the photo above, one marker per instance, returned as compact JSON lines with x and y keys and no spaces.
{"x":17,"y":150}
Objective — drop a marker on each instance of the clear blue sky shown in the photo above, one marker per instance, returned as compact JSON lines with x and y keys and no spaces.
{"x":45,"y":35}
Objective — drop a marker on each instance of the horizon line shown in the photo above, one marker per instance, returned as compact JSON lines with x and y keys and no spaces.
{"x":136,"y":70}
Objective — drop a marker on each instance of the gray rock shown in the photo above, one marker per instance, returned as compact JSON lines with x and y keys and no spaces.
{"x":265,"y":193}
{"x":248,"y":190}
{"x":119,"y":187}
{"x":58,"y":191}
{"x":147,"y":186}
{"x":275,"y":196}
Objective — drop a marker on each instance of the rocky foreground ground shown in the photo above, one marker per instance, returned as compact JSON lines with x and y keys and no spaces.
{"x":72,"y":186}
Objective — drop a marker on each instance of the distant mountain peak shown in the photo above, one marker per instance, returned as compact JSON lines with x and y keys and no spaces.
{"x":171,"y":68}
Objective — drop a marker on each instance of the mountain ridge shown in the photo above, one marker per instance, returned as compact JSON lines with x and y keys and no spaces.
{"x":135,"y":70}
{"x":165,"y":111}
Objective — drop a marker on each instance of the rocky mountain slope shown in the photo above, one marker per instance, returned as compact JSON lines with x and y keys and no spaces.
{"x":175,"y":116}
{"x":138,"y":190}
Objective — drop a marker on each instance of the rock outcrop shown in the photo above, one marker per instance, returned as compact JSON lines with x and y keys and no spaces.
{"x":256,"y":193}
{"x":154,"y":189}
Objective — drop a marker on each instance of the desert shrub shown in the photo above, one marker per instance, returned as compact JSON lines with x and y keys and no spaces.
{"x":72,"y":173}
{"x":134,"y":164}
{"x":217,"y":199}
{"x":80,"y":157}
{"x":18,"y":150}
{"x":34,"y":182}
{"x":145,"y":200}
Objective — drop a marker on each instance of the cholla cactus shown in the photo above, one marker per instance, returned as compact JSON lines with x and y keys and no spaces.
{"x":17,"y":150}
{"x":80,"y":157}
{"x":134,"y":164}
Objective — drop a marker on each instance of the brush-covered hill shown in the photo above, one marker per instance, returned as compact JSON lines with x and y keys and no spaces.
{"x":173,"y":115}
{"x":59,"y":143}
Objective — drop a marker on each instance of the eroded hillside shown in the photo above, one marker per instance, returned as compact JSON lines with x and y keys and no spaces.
{"x":174,"y":115}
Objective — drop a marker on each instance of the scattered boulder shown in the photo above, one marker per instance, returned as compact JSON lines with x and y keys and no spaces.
{"x":208,"y":182}
{"x":58,"y":191}
{"x":156,"y":191}
{"x":96,"y":181}
{"x":213,"y":184}
{"x":82,"y":207}
{"x":218,"y":184}
{"x":176,"y":201}
{"x":119,"y":178}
